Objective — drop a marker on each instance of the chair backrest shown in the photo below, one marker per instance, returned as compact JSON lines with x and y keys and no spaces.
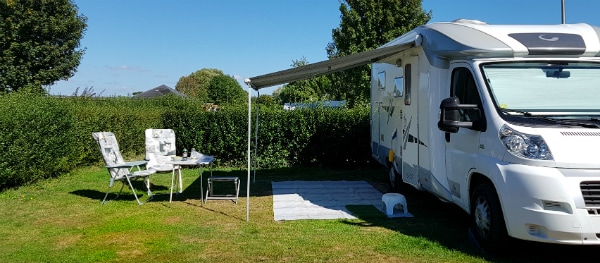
{"x":107,"y":142}
{"x":160,"y":146}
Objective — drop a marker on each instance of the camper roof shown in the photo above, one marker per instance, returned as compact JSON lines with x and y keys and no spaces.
{"x":460,"y":38}
{"x":477,"y":39}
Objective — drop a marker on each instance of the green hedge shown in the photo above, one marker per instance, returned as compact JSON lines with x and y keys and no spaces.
{"x":322,"y":137}
{"x":42,"y":137}
{"x":36,"y":139}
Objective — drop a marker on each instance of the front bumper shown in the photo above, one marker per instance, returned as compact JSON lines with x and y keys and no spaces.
{"x":547,"y":205}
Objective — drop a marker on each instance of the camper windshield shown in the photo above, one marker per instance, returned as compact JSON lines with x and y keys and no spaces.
{"x":545,"y":88}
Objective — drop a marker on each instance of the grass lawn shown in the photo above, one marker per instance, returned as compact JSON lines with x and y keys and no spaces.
{"x":62,"y":220}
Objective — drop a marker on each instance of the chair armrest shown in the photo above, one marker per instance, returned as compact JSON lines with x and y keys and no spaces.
{"x":136,"y":163}
{"x":119,"y":165}
{"x":127,"y":164}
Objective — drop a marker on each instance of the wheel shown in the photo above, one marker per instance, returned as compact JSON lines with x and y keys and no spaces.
{"x":489,"y":228}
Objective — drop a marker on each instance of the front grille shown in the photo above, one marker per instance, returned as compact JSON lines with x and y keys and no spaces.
{"x":593,"y":211}
{"x":591,"y":194}
{"x":580,"y":134}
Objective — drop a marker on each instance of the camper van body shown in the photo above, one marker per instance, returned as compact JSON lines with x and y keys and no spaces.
{"x":501,"y":120}
{"x":530,"y":132}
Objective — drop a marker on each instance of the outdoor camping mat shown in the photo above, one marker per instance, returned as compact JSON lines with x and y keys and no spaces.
{"x":295,"y":200}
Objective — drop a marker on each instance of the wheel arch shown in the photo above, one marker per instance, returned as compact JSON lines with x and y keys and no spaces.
{"x":476,"y":179}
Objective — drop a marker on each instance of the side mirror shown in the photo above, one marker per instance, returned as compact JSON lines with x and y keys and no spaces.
{"x":450,"y":117}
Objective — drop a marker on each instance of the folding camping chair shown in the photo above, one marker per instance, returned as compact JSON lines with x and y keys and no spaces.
{"x":160,"y":148}
{"x":118,"y":169}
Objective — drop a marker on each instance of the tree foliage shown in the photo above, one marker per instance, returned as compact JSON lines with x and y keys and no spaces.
{"x":366,"y":25}
{"x":39,"y":41}
{"x":211,"y":85}
{"x":196,"y":84}
{"x":224,"y":89}
{"x":312,"y":89}
{"x":266,"y":100}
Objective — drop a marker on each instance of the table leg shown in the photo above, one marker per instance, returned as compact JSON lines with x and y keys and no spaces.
{"x":172,"y":183}
{"x":201,"y":187}
{"x":180,"y":182}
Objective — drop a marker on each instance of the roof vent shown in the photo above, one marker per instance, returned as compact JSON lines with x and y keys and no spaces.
{"x":469,"y":21}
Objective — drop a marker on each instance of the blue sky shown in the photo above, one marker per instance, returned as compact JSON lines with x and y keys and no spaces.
{"x":136,"y":45}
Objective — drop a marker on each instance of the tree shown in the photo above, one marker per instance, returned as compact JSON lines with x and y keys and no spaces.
{"x":312,"y":89}
{"x":226,"y":90}
{"x":266,"y":100}
{"x":366,"y":25}
{"x":38,"y":43}
{"x":196,"y":84}
{"x":296,"y":93}
{"x":211,"y":85}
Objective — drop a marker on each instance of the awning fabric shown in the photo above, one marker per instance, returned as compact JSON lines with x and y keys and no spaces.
{"x":324,"y":67}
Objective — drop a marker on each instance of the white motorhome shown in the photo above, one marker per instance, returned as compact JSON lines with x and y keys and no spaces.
{"x":501,"y":120}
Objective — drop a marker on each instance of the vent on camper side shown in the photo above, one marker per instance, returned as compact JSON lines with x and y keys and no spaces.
{"x":580,"y":134}
{"x":590,"y":190}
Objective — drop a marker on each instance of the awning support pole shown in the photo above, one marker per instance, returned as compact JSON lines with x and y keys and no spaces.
{"x":249,"y":140}
{"x":256,"y":135}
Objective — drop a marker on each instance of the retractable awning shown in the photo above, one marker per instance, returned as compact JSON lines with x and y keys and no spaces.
{"x":308,"y":71}
{"x":325,"y":67}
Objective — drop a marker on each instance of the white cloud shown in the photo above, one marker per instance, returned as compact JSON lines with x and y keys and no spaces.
{"x":127,"y":68}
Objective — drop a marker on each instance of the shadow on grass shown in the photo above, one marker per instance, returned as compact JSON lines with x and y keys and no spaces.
{"x":433,"y":219}
{"x":448,"y":225}
{"x":438,"y":221}
{"x":124,"y":194}
{"x":261,"y":182}
{"x":160,"y":186}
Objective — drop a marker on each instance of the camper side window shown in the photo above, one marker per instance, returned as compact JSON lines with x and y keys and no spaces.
{"x":398,"y":86}
{"x":381,"y":80}
{"x":464,"y":88}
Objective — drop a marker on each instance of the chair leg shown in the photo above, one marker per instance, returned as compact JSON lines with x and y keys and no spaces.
{"x":108,"y":192}
{"x":150,"y":194}
{"x":208,"y":189}
{"x":237,"y":190}
{"x":147,"y":182}
{"x":110,"y":185}
{"x":133,"y":190}
{"x":106,"y":195}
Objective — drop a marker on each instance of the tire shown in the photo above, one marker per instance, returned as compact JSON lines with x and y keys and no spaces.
{"x":487,"y":219}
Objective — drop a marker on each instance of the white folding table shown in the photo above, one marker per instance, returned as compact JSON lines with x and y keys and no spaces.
{"x":200,"y":162}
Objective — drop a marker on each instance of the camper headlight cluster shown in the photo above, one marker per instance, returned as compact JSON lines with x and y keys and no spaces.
{"x":524,"y":145}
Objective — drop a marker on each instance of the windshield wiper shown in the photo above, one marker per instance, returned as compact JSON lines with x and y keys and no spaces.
{"x":556,"y":121}
{"x":592,"y":122}
{"x":525,"y":113}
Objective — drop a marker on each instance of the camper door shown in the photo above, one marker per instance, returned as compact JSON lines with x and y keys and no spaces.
{"x":461,"y":147}
{"x":410,"y":123}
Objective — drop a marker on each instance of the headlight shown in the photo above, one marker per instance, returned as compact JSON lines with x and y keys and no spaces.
{"x":524,"y":145}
